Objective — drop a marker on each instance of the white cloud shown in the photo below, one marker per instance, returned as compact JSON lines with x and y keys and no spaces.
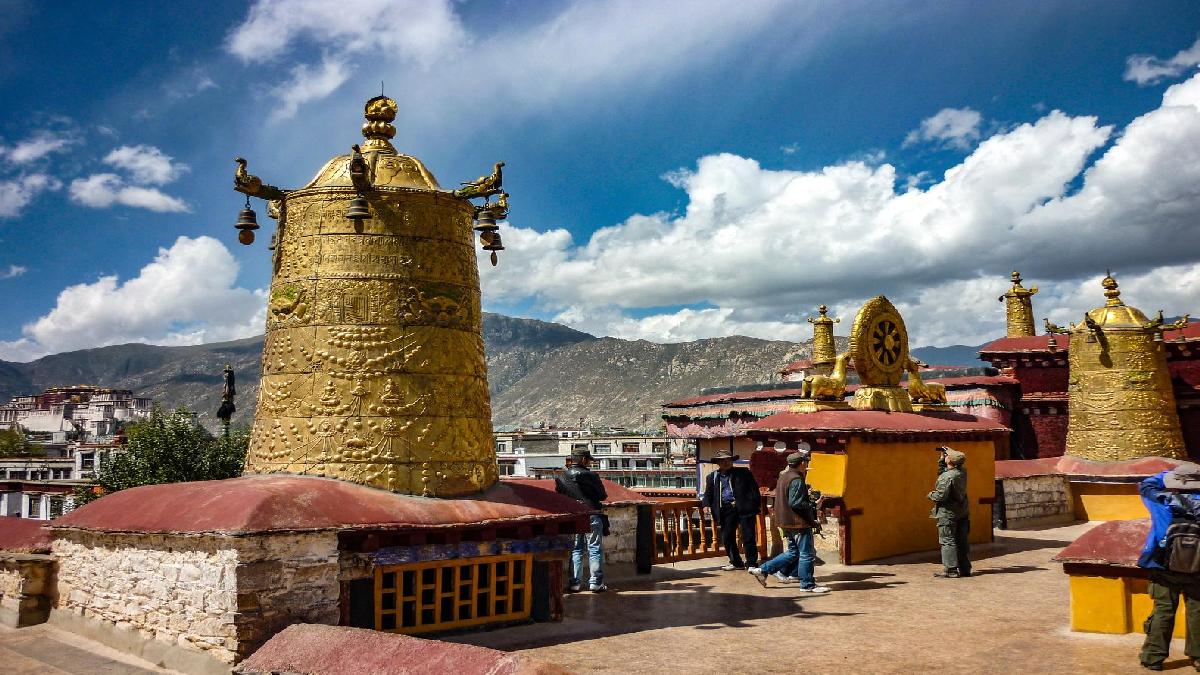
{"x":146,"y":164}
{"x":187,"y":295}
{"x":13,"y":272}
{"x":307,"y":84}
{"x":17,"y":193}
{"x":553,"y":53}
{"x":36,"y":146}
{"x":950,"y":127}
{"x":761,"y":247}
{"x":102,"y":190}
{"x":189,"y":83}
{"x":1146,"y":69}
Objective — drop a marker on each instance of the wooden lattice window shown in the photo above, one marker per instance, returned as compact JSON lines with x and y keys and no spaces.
{"x":446,"y":594}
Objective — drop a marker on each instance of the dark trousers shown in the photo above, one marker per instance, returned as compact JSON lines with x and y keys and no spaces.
{"x":730,"y":522}
{"x":1165,"y":588}
{"x":956,"y":550}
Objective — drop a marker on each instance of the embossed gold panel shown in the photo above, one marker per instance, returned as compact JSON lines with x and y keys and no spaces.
{"x":373,"y":368}
{"x":1121,"y":402}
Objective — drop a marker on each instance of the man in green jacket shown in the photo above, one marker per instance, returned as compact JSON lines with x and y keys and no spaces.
{"x":953,"y":514}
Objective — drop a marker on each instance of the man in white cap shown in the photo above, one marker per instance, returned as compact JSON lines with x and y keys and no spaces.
{"x":952,"y":510}
{"x":1172,"y":557}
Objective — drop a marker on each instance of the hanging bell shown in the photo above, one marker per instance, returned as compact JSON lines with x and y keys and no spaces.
{"x":358,"y":209}
{"x":247,"y":223}
{"x":486,"y":221}
{"x":492,"y":243}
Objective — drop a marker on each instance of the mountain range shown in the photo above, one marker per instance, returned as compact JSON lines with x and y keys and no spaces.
{"x":537,"y":372}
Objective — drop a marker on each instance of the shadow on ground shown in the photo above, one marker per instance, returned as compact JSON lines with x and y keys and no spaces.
{"x":667,"y":604}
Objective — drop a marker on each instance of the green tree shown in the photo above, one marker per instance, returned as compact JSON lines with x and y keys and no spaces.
{"x":168,"y":448}
{"x":14,"y":443}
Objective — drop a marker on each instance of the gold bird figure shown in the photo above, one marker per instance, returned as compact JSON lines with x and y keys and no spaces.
{"x":484,"y":186}
{"x":242,"y":179}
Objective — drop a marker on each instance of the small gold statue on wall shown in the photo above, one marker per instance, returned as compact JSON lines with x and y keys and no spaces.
{"x":830,"y":387}
{"x":919,"y":390}
{"x":484,"y":186}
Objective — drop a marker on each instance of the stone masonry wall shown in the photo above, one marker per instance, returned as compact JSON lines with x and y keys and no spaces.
{"x":224,"y":596}
{"x":25,"y":588}
{"x":1034,"y":499}
{"x":621,"y":546}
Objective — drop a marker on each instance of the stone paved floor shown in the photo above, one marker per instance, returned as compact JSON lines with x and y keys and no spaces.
{"x":895,"y":618}
{"x":44,"y":650}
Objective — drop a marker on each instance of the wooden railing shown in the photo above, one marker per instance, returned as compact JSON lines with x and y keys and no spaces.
{"x":683,"y":530}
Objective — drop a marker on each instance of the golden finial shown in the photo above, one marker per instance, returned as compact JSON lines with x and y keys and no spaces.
{"x":1019,"y":303}
{"x":1016,"y":278}
{"x":378,"y":130}
{"x":1111,"y":291}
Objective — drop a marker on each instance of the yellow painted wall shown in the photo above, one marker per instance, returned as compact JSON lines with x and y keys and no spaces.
{"x":1113,"y":605}
{"x":1106,"y":501}
{"x":827,"y":473}
{"x":890,"y":482}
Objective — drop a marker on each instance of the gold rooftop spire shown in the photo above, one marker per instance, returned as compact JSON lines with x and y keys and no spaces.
{"x":823,"y":350}
{"x":1018,"y":306}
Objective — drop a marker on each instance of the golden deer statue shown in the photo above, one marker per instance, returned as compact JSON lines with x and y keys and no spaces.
{"x":919,"y":390}
{"x":830,"y":387}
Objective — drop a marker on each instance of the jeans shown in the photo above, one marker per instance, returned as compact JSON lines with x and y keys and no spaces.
{"x":801,"y":552}
{"x":593,"y":541}
{"x":956,"y":551}
{"x":1165,"y":588}
{"x":730,"y":523}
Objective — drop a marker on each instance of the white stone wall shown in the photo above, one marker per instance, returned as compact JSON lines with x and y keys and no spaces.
{"x":1035,"y":499}
{"x":214,"y":594}
{"x":621,"y":545}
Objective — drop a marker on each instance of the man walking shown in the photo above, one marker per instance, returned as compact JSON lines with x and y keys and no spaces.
{"x":1171,"y":556}
{"x":952,"y":511}
{"x":795,"y":513}
{"x":731,"y":495}
{"x":582,"y":484}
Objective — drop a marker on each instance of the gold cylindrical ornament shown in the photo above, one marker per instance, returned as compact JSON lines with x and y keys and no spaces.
{"x":1121,"y":402}
{"x":1018,"y":306}
{"x":373,"y":363}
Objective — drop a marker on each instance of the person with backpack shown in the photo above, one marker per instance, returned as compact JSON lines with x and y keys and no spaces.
{"x":1172,"y":556}
{"x":583,"y":485}
{"x":952,"y":510}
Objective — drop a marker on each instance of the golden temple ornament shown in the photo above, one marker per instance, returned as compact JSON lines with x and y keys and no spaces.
{"x":1121,"y":403}
{"x":824,"y":351}
{"x":879,"y":347}
{"x":373,"y":366}
{"x":1018,"y":306}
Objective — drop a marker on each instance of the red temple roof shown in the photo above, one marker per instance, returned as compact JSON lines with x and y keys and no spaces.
{"x":23,"y":535}
{"x":1032,"y":343}
{"x":1117,"y":543}
{"x":269,"y":503}
{"x":734,"y":396}
{"x":877,"y":421}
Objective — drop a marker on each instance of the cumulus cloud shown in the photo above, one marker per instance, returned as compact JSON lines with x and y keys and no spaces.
{"x":13,"y":271}
{"x":306,"y":84}
{"x":1146,"y":69}
{"x":759,"y":248}
{"x":186,"y":295}
{"x":17,"y":193}
{"x":950,"y":127}
{"x":103,"y":190}
{"x":145,"y":164}
{"x":36,"y":146}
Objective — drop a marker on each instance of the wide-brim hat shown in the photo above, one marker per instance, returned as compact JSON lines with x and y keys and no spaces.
{"x":1186,"y":476}
{"x":724,"y":454}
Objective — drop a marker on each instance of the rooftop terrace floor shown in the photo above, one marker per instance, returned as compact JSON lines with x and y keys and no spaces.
{"x":886,"y":618}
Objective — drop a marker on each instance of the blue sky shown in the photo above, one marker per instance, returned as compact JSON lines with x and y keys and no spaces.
{"x":678,"y":169}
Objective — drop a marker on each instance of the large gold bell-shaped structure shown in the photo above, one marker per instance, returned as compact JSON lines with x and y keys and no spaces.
{"x":1121,"y":402}
{"x":373,"y":367}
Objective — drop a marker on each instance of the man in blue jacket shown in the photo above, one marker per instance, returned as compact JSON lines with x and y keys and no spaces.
{"x":1161,"y":493}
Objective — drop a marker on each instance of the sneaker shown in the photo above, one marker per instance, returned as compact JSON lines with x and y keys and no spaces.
{"x":573,"y":588}
{"x":793,"y":580}
{"x":731,"y":567}
{"x":785,"y":579}
{"x":759,"y":576}
{"x":816,"y":589}
{"x":948,"y":574}
{"x":598,"y":588}
{"x":1152,"y":666}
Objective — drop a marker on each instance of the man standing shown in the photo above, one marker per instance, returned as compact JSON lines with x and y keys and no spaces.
{"x":582,"y":484}
{"x":1174,"y":508}
{"x":952,"y":511}
{"x":731,"y":495}
{"x":795,"y":513}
